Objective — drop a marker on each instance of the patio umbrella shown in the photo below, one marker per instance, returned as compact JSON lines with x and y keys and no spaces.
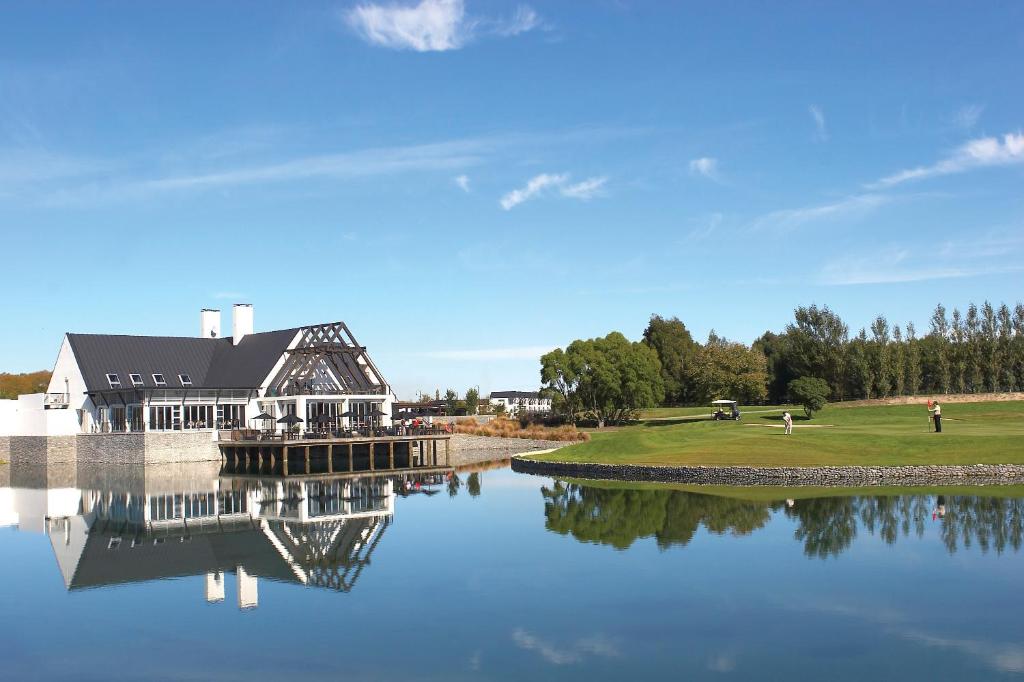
{"x":323,"y":419}
{"x":263,"y":415}
{"x":376,"y":412}
{"x":290,"y":419}
{"x":347,"y":413}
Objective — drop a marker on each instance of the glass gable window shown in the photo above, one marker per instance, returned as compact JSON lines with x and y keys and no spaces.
{"x":114,"y":381}
{"x":136,"y":379}
{"x":185,"y":379}
{"x":158,"y":379}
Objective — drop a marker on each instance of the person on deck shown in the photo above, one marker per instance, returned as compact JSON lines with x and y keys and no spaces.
{"x":936,"y":411}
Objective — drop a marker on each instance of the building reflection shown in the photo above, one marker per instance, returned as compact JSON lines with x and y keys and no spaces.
{"x":825,"y":526}
{"x":120,"y":525}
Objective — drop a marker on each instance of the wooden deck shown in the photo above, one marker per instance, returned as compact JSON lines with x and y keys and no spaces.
{"x":335,"y":455}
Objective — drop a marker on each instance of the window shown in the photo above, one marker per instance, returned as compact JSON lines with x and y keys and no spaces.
{"x":136,"y":379}
{"x":114,"y":381}
{"x":185,"y":379}
{"x":158,"y":379}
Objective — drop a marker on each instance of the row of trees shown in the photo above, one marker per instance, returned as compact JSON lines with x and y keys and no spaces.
{"x":979,"y":351}
{"x":610,"y":378}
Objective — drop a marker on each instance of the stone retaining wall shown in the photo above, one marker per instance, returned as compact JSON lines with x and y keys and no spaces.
{"x":466,"y":449}
{"x":5,"y":448}
{"x":41,"y":449}
{"x":975,"y":474}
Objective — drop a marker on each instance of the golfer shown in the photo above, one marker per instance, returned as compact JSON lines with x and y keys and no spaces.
{"x":787,"y":418}
{"x":936,"y":411}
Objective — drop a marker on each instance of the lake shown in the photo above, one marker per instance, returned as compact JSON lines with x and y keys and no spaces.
{"x":184,"y":574}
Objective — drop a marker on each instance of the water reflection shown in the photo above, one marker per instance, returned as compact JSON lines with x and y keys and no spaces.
{"x":826,"y":526}
{"x":125,"y":525}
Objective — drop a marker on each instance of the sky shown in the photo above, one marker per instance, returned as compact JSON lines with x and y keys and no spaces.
{"x":469,"y":184}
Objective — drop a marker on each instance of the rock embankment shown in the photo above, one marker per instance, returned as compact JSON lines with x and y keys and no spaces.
{"x":466,"y":449}
{"x":974,"y":474}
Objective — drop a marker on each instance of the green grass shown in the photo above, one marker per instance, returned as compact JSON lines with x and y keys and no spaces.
{"x":877,"y":435}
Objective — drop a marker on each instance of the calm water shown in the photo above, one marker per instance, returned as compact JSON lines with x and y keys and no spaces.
{"x":183,"y":574}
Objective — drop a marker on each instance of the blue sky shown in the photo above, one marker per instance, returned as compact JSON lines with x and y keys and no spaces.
{"x":470,"y":183}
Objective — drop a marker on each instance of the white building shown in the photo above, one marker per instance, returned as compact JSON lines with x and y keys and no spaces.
{"x":521,"y":402}
{"x":106,"y":383}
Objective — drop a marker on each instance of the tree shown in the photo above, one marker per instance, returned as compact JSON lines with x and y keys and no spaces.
{"x":899,"y":361}
{"x":13,"y":385}
{"x":881,"y":357}
{"x":776,"y":353}
{"x":451,"y":401}
{"x":676,"y":349}
{"x":723,"y":369}
{"x":810,"y":392}
{"x":609,"y":377}
{"x":817,"y":338}
{"x":913,"y":358}
{"x":858,"y":367}
{"x":472,"y":400}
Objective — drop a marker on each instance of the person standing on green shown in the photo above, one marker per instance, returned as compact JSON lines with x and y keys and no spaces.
{"x":937,"y":416}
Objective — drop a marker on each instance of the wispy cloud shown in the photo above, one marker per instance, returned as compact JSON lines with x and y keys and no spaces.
{"x":545,"y":182}
{"x":851,"y":206}
{"x":487,"y":354}
{"x":705,"y":166}
{"x":820,"y":130}
{"x":463,"y":182}
{"x":533,"y":187}
{"x":575,"y":652}
{"x":707,"y":229}
{"x":432,"y":25}
{"x":586,"y":190}
{"x":966,"y":117}
{"x":978,"y":153}
{"x":232,"y":295}
{"x":951,"y":259}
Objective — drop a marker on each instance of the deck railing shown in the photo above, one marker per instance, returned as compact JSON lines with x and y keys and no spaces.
{"x":55,"y":401}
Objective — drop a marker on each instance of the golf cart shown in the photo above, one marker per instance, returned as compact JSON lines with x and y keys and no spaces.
{"x":725,"y":409}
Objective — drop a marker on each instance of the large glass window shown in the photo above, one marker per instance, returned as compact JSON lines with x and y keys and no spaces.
{"x":231,"y":416}
{"x":117,"y":418}
{"x":165,"y":418}
{"x":198,"y":417}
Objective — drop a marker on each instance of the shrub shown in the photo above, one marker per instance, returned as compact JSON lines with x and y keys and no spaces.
{"x":511,"y":428}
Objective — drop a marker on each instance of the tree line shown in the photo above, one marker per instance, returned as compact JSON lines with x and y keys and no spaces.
{"x":13,"y":385}
{"x":610,"y":378}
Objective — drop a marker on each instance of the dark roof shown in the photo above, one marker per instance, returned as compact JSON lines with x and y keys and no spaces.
{"x":514,"y":394}
{"x":210,"y":363}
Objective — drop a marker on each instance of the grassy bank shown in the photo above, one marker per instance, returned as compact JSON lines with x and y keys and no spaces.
{"x":874,"y":435}
{"x":511,"y":428}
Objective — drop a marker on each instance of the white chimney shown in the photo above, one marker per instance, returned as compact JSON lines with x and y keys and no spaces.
{"x":241,"y":322}
{"x":209,"y":323}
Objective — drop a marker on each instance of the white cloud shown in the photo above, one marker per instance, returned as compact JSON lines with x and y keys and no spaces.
{"x":978,"y":153}
{"x":790,"y":218}
{"x":232,"y":295}
{"x":967,"y":117}
{"x":463,"y":182}
{"x":431,"y":25}
{"x":534,"y":186}
{"x":539,"y":184}
{"x":820,"y":131}
{"x":486,"y":354}
{"x":705,"y":166}
{"x":586,"y":190}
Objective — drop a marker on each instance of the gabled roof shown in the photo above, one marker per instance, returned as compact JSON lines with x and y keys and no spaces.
{"x":514,"y":394}
{"x":210,"y":363}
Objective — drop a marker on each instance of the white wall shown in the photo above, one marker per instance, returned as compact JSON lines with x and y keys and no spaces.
{"x":26,"y":416}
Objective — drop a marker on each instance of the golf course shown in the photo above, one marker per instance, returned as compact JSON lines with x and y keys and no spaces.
{"x":862,"y":435}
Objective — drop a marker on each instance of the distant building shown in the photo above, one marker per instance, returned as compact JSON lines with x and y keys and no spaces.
{"x":520,"y":402}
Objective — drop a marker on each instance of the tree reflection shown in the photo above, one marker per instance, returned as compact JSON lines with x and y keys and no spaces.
{"x":618,"y":516}
{"x":826,"y":526}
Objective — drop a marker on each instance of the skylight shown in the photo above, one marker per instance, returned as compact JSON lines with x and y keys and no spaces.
{"x":158,"y":379}
{"x":185,"y":379}
{"x":136,"y":379}
{"x":114,"y":381}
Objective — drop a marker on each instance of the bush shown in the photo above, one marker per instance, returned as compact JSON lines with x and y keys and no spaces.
{"x":810,"y":392}
{"x":510,"y":428}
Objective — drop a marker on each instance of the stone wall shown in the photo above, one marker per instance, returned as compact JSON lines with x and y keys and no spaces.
{"x":112,"y":448}
{"x":41,"y":449}
{"x":5,"y":448}
{"x":975,"y":474}
{"x":466,"y":449}
{"x":179,"y":446}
